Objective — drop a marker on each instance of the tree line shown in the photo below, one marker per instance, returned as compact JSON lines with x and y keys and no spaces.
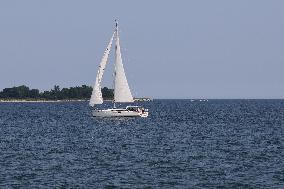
{"x":24,"y":92}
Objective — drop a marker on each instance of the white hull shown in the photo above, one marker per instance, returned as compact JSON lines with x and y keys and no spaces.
{"x":118,"y":113}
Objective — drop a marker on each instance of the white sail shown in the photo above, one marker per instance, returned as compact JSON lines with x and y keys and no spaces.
{"x":96,"y":97}
{"x":121,"y":89}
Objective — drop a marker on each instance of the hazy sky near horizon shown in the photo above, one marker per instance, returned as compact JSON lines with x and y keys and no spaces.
{"x":171,"y":49}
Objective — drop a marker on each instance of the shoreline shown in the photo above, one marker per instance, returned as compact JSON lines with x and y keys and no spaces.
{"x":66,"y":100}
{"x":22,"y":100}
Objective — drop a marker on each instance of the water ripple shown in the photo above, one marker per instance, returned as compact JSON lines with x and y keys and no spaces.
{"x":183,"y":144}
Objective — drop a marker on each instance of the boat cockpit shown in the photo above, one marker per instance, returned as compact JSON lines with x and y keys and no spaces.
{"x":135,"y":108}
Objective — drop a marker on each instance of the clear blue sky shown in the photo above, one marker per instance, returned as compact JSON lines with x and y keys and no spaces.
{"x":171,"y":49}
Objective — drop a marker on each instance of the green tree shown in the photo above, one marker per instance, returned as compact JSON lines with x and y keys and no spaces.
{"x":34,"y":93}
{"x":83,"y":92}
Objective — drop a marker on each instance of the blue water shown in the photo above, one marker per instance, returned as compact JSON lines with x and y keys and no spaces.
{"x":182,"y":144}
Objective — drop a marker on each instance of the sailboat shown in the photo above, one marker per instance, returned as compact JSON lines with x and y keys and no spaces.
{"x":122,"y":93}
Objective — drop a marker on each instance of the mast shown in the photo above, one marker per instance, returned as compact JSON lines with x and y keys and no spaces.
{"x":114,"y":73}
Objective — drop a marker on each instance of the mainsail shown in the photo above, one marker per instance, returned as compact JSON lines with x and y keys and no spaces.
{"x":121,"y":89}
{"x":96,"y":97}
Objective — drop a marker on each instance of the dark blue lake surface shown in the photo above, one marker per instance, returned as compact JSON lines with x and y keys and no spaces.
{"x":182,"y":144}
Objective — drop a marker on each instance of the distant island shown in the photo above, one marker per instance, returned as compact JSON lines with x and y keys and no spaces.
{"x":72,"y":93}
{"x":24,"y":93}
